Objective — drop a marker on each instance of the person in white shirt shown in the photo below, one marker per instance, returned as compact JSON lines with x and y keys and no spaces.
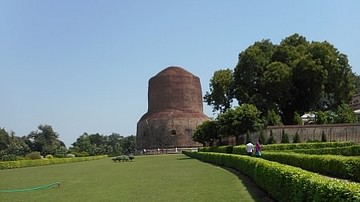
{"x":249,"y":148}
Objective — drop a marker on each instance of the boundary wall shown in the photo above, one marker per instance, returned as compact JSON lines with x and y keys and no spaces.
{"x":333,"y":132}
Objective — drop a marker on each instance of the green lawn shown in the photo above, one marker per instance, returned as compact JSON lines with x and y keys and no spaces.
{"x":148,"y":178}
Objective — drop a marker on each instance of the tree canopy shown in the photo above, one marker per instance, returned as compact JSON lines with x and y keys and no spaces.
{"x":46,"y":142}
{"x":294,"y":76}
{"x":96,"y":144}
{"x":207,"y":132}
{"x":275,"y":83}
{"x":238,"y":121}
{"x":220,"y":95}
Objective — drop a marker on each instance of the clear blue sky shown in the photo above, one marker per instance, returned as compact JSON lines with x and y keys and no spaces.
{"x":83,"y":66}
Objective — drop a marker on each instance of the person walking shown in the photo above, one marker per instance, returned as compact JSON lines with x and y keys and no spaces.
{"x":249,"y":148}
{"x":257,"y":149}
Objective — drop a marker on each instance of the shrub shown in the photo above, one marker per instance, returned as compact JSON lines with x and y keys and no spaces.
{"x":34,"y":155}
{"x":9,"y":157}
{"x":344,"y":151}
{"x":70,"y":155}
{"x":43,"y":162}
{"x":296,"y":138}
{"x":49,"y":156}
{"x":284,"y":137}
{"x":60,"y":155}
{"x":80,"y":154}
{"x":240,"y":149}
{"x":336,"y":166}
{"x":283,"y":182}
{"x":297,"y":119}
{"x":271,"y":139}
{"x":224,"y":149}
{"x":323,"y":137}
{"x":341,"y":148}
{"x":121,"y":158}
{"x":304,"y":146}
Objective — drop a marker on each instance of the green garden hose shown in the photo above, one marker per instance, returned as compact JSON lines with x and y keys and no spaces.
{"x":30,"y":189}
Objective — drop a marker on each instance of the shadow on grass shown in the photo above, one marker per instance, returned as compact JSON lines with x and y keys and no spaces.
{"x":256,"y":192}
{"x":185,"y":158}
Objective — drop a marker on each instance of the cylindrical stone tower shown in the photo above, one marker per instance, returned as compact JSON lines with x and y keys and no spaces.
{"x":175,"y":108}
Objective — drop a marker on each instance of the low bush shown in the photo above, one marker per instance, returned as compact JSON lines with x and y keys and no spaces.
{"x":80,"y":154}
{"x":332,"y":165}
{"x":344,"y":151}
{"x":208,"y":149}
{"x":314,"y":145}
{"x":240,"y":149}
{"x":224,"y":149}
{"x":70,"y":155}
{"x":123,"y":158}
{"x":43,"y":162}
{"x":49,"y":156}
{"x":34,"y":155}
{"x":220,"y":149}
{"x":283,"y":182}
{"x":60,"y":155}
{"x":9,"y":157}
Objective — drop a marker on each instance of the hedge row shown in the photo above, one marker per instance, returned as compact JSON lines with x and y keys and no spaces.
{"x":344,"y":151}
{"x":43,"y":162}
{"x":292,"y":146}
{"x":283,"y":182}
{"x":336,"y":166}
{"x":219,"y":149}
{"x":240,"y":149}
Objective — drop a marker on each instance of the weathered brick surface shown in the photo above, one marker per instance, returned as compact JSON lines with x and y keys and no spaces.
{"x":175,"y":108}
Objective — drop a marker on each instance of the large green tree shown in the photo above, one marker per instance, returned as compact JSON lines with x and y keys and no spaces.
{"x":249,"y":71}
{"x":221,"y":94}
{"x":295,"y":75}
{"x":357,"y":83}
{"x":12,"y":145}
{"x":45,"y":140}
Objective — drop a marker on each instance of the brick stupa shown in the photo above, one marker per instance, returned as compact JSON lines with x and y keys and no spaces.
{"x":175,"y":108}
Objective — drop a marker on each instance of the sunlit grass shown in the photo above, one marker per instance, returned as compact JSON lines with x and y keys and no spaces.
{"x":148,"y":178}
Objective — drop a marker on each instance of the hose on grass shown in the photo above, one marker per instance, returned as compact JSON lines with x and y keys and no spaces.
{"x":30,"y":189}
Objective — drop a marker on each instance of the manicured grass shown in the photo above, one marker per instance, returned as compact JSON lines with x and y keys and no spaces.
{"x":148,"y":178}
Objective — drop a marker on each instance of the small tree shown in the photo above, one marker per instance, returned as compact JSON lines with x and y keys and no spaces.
{"x":207,"y":132}
{"x":237,"y":121}
{"x":271,"y":139}
{"x":297,"y":119}
{"x":321,"y":117}
{"x":284,"y":137}
{"x":272,"y":118}
{"x":345,"y":114}
{"x":296,"y":138}
{"x":323,"y":137}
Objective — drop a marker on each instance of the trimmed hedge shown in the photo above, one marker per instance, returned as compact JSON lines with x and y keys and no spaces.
{"x":44,"y":162}
{"x":283,"y":182}
{"x":331,"y":165}
{"x":220,"y":149}
{"x":292,"y":146}
{"x":344,"y":151}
